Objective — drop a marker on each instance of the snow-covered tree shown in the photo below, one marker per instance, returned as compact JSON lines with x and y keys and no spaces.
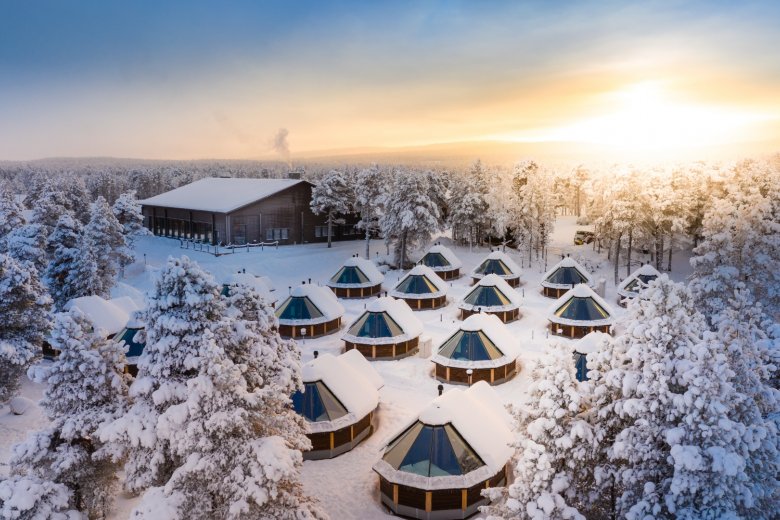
{"x":182,"y":312}
{"x":752,"y":352}
{"x":72,"y":267}
{"x":410,"y":215}
{"x":554,"y":448}
{"x":741,"y":241}
{"x":534,"y":206}
{"x":127,"y":211}
{"x":220,"y":446}
{"x":24,"y":307}
{"x":49,"y":206}
{"x":469,"y":209}
{"x":26,"y":244}
{"x":31,"y":498}
{"x":85,"y":387}
{"x":333,"y":196}
{"x":104,"y":238}
{"x":371,"y":191}
{"x":11,"y":216}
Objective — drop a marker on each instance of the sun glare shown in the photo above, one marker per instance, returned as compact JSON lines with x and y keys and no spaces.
{"x":647,"y":117}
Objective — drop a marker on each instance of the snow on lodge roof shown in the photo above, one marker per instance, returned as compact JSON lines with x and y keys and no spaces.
{"x":109,"y":316}
{"x":580,"y":306}
{"x":479,"y":417}
{"x":344,"y":276}
{"x":590,"y":342}
{"x":436,"y":288}
{"x":327,"y":306}
{"x":220,"y":195}
{"x":565,"y":278}
{"x":495,"y":330}
{"x":438,"y":249}
{"x":629,"y":288}
{"x":482,"y":295}
{"x":399,"y":312}
{"x":351,"y":379}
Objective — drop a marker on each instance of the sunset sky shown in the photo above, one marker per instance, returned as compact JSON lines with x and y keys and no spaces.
{"x":197,"y":79}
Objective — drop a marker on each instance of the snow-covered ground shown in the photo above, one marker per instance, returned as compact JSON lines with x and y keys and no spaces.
{"x":346,"y":485}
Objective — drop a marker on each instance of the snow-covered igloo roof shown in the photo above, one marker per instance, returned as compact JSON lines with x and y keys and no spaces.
{"x":631,"y":286}
{"x":581,"y":306}
{"x":309,"y":304}
{"x":420,"y":282}
{"x":491,"y":293}
{"x":565,"y":274}
{"x":355,"y":273}
{"x":497,"y":263}
{"x":474,"y":419}
{"x":440,"y":258}
{"x":350,"y":379}
{"x":590,"y":342}
{"x":261,"y":284}
{"x":482,"y":336}
{"x":385,"y":320}
{"x":108,"y":316}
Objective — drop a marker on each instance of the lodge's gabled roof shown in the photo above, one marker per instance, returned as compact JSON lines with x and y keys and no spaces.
{"x":220,"y":195}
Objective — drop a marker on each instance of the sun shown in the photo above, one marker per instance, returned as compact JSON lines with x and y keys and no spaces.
{"x":647,"y":116}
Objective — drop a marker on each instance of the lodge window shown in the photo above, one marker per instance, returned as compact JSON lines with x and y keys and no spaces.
{"x":320,"y":231}
{"x":277,"y":233}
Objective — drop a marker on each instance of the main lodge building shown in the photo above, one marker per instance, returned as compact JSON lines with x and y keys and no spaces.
{"x":240,"y":211}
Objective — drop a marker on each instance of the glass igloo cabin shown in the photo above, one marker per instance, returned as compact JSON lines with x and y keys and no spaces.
{"x":133,"y":337}
{"x":437,"y":465}
{"x":578,"y":312}
{"x":356,"y":278}
{"x":309,"y":312}
{"x":499,"y":264}
{"x":339,"y":400}
{"x":422,"y":289}
{"x":261,"y":284}
{"x":491,"y":295}
{"x":482,"y":344}
{"x":563,"y":276}
{"x":387,"y":329}
{"x":633,"y":285}
{"x":442,"y":261}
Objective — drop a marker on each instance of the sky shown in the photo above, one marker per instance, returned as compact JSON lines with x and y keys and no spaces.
{"x":241,"y":79}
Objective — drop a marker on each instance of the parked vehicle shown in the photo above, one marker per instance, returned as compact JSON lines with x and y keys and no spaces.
{"x":583,"y":237}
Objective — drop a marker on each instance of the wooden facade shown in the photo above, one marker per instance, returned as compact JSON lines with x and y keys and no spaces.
{"x":357,"y":292}
{"x":386,"y":350}
{"x":452,"y":274}
{"x":492,"y":376}
{"x":312,"y":331}
{"x":326,"y":445}
{"x":513,"y":282}
{"x":551,"y":292}
{"x":505,"y":316}
{"x":424,"y":304}
{"x":284,"y":216}
{"x":576,"y":331}
{"x":437,"y":504}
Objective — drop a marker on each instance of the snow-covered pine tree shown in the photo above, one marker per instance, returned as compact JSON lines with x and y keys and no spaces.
{"x":72,"y":268}
{"x":534,"y":207}
{"x":76,"y":198}
{"x":554,"y":448}
{"x":663,"y":350}
{"x":469,"y":209}
{"x":371,"y":190}
{"x":182,"y":312}
{"x":127,"y":211}
{"x":27,"y":244}
{"x":334,"y":195}
{"x":24,"y":307}
{"x":104,"y":238}
{"x":31,"y":498}
{"x":753,"y":355}
{"x":49,"y":206}
{"x":11,"y":216}
{"x":85,"y":387}
{"x":410,"y":215}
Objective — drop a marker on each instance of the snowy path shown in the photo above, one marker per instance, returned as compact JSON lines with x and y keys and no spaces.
{"x":346,"y":485}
